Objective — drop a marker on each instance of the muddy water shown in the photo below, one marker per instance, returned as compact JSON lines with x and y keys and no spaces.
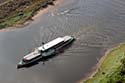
{"x":96,"y":24}
{"x":2,"y":1}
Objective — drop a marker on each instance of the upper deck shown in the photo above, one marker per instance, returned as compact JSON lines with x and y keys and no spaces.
{"x":32,"y":55}
{"x":51,"y":44}
{"x":54,"y":43}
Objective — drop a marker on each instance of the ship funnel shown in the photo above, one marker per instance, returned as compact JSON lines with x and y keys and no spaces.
{"x":43,"y":43}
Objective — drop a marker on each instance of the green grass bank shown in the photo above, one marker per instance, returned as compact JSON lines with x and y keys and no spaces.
{"x":16,"y":12}
{"x":112,"y":67}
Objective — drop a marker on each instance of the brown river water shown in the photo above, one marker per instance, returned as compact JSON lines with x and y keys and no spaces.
{"x":2,"y":1}
{"x":96,"y":24}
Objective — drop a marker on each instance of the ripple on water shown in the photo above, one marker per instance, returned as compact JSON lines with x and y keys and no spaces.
{"x":96,"y":25}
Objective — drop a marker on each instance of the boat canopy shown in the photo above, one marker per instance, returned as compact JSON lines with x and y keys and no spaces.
{"x":51,"y":44}
{"x":32,"y":55}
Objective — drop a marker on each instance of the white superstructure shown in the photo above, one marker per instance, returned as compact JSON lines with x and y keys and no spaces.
{"x":32,"y":55}
{"x":51,"y":44}
{"x":37,"y":52}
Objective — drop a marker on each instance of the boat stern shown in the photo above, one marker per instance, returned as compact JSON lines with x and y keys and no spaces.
{"x":69,"y":38}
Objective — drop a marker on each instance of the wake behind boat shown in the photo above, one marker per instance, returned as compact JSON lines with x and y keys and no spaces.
{"x":45,"y":50}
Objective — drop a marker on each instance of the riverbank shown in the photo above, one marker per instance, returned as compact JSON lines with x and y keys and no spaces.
{"x":16,"y":13}
{"x":111,"y":68}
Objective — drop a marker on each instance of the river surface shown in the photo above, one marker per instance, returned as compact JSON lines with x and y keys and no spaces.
{"x":2,"y":1}
{"x":96,"y":24}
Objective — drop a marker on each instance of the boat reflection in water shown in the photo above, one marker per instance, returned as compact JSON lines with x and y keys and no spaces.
{"x":45,"y":51}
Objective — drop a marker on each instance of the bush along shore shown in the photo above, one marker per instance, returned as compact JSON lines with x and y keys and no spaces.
{"x":112,"y":67}
{"x":17,"y":12}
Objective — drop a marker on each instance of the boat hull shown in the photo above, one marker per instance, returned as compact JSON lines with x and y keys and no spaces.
{"x":43,"y":57}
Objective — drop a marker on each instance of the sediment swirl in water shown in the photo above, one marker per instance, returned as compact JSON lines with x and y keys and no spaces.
{"x":96,"y":24}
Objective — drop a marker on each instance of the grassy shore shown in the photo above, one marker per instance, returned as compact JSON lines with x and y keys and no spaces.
{"x":16,"y":12}
{"x":112,"y":67}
